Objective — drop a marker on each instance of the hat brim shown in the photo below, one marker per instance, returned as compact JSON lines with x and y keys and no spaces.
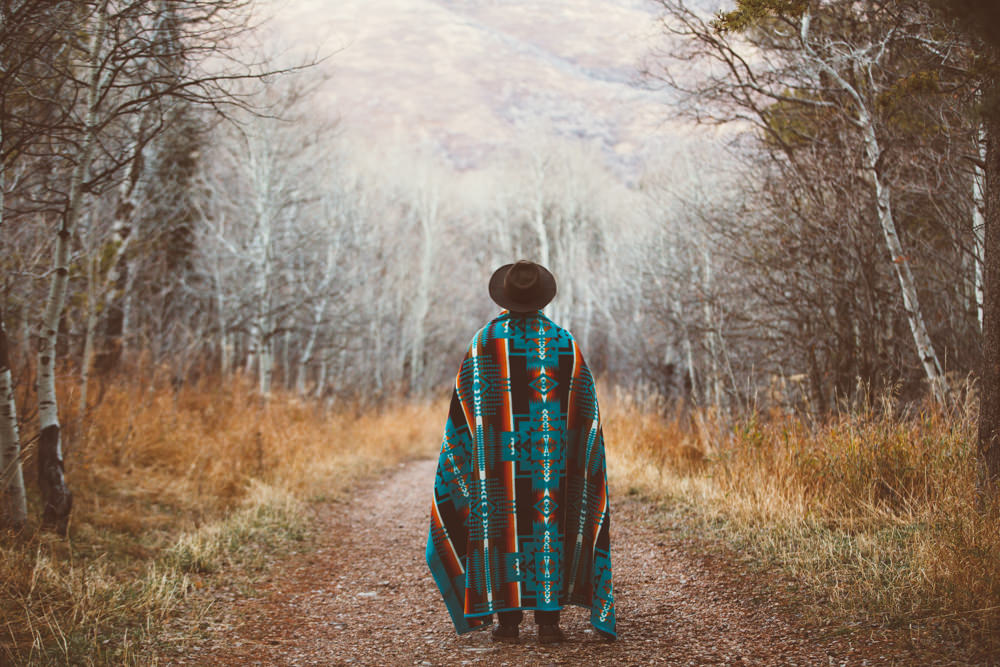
{"x":546,"y":292}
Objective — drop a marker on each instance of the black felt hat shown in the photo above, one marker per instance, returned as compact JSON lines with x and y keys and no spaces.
{"x":522,"y":286}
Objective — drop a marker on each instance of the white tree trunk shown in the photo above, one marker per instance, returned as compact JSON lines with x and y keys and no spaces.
{"x":88,"y":339}
{"x":263,"y":170}
{"x":250,"y":366}
{"x":428,"y":213}
{"x":307,"y":353}
{"x":319,"y":309}
{"x":979,"y":225}
{"x":266,"y":366}
{"x":376,"y":334}
{"x":544,"y":255}
{"x":320,"y":379}
{"x":56,"y":495}
{"x":689,"y":352}
{"x":127,"y":312}
{"x":225,"y":354}
{"x":710,"y":335}
{"x":302,"y":373}
{"x":13,"y":506}
{"x":901,"y":263}
{"x":225,"y":339}
{"x":91,"y":262}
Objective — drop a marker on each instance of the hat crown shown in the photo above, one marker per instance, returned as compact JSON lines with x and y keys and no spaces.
{"x":523,"y":286}
{"x":522,"y":279}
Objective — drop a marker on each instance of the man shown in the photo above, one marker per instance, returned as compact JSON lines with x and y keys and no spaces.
{"x":520,"y":514}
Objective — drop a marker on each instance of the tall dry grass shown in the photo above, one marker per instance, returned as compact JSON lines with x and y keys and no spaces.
{"x":170,"y":485}
{"x":874,"y":513}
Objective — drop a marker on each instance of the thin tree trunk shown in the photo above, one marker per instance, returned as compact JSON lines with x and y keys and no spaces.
{"x":689,"y":353}
{"x":307,"y":354}
{"x":266,"y":366}
{"x":264,"y":339}
{"x":539,"y":218}
{"x":251,"y":361}
{"x":226,"y":354}
{"x":128,"y":312}
{"x":376,"y":334}
{"x":115,"y":304}
{"x":115,"y":286}
{"x":901,"y":265}
{"x":225,"y":339}
{"x":302,"y":372}
{"x":89,"y":333}
{"x":421,"y":303}
{"x":988,"y":445}
{"x":979,"y":225}
{"x":56,"y":495}
{"x":13,"y":507}
{"x":710,"y":336}
{"x":320,"y":379}
{"x":286,"y":366}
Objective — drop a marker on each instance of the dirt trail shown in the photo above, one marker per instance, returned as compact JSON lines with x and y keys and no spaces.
{"x":364,"y":596}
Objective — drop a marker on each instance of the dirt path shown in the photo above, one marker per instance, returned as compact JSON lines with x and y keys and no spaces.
{"x":364,"y":596}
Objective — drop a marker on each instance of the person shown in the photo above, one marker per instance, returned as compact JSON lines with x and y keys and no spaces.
{"x":520,"y":517}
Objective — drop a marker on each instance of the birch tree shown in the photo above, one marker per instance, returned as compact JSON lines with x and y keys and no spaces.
{"x":30,"y":39}
{"x":427,"y":218}
{"x":57,"y":497}
{"x":127,"y":64}
{"x":977,"y":23}
{"x":13,"y":506}
{"x":864,"y":59}
{"x":838,"y":72}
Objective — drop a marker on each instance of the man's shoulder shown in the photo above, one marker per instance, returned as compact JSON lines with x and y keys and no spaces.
{"x":504,"y":325}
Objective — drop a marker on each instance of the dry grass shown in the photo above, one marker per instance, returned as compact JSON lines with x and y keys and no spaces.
{"x":875,"y":514}
{"x":170,"y":485}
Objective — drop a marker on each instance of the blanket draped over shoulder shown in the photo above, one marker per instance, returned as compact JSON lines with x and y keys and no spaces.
{"x":520,"y":517}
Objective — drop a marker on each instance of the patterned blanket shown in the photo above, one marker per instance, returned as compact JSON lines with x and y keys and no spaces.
{"x":520,"y":514}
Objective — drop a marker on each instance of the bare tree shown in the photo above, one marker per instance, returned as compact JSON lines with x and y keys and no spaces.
{"x":818,"y":84}
{"x":104,"y":76}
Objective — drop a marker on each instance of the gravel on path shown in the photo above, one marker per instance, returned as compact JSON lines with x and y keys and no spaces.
{"x":364,"y":596}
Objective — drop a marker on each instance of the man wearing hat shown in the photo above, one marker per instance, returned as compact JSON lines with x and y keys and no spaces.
{"x":520,"y":518}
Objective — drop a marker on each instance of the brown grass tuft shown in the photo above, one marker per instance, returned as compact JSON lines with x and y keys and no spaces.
{"x":877,"y":515}
{"x":170,"y":484}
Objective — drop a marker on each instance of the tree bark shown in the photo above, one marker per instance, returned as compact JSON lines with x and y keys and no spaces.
{"x":266,"y":367}
{"x":89,"y":333}
{"x":428,"y":214}
{"x":988,"y":446}
{"x":307,"y":354}
{"x":979,"y":225}
{"x":55,"y":494}
{"x":320,"y":380}
{"x":114,"y":292}
{"x":13,"y":507}
{"x":901,"y":264}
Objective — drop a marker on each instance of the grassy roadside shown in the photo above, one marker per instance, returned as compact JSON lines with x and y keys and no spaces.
{"x":175,"y":489}
{"x":196,"y":489}
{"x":873,"y":515}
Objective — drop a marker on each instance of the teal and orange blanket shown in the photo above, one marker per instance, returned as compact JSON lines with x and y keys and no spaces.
{"x":520,"y":517}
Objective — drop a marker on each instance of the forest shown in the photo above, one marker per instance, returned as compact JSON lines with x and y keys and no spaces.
{"x":215,"y":300}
